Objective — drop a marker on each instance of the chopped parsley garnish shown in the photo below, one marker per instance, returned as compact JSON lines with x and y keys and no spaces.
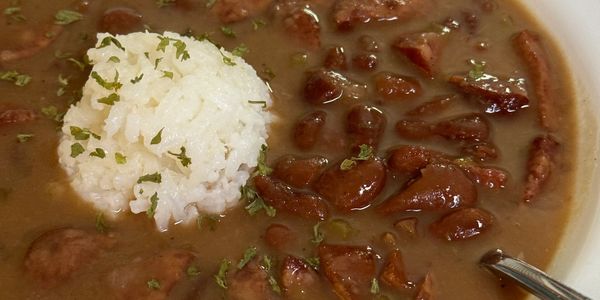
{"x":59,"y":54}
{"x":192,"y":271}
{"x":78,"y":64}
{"x":210,"y":3}
{"x":156,"y":62}
{"x":76,"y":150}
{"x":63,"y":82}
{"x":82,"y":134}
{"x":100,"y":223}
{"x":180,"y":47}
{"x":114,"y":59}
{"x":107,"y":41}
{"x":99,"y":152}
{"x":153,"y":284}
{"x":318,"y":236}
{"x":137,"y":79}
{"x":24,"y":137}
{"x":110,"y":99}
{"x":17,"y":78}
{"x":162,"y":45}
{"x":262,"y":168}
{"x":120,"y":158}
{"x":240,"y":50}
{"x":375,"y":286}
{"x":51,"y":112}
{"x":228,"y":32}
{"x":313,"y":262}
{"x":157,"y":138}
{"x":65,"y":17}
{"x":165,"y":3}
{"x":221,"y":276}
{"x":15,"y":13}
{"x":249,"y":254}
{"x":114,"y":85}
{"x":167,"y":74}
{"x":227,"y":60}
{"x":366,"y":153}
{"x":156,"y":178}
{"x":256,"y":24}
{"x":262,"y":103}
{"x":256,"y":203}
{"x":183,"y":158}
{"x":478,"y":69}
{"x":153,"y":204}
{"x":268,"y":266}
{"x":210,"y":220}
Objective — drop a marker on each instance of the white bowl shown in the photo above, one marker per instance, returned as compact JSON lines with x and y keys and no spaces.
{"x":575,"y":26}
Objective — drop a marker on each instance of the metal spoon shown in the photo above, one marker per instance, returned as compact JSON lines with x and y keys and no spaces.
{"x":528,"y":277}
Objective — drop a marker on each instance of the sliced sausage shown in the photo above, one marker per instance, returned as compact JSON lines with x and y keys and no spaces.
{"x":498,"y":95}
{"x":279,"y":237}
{"x":470,"y":127}
{"x":285,"y":198}
{"x":349,"y":269}
{"x":299,"y":172}
{"x":166,"y":268}
{"x":303,"y":24}
{"x":349,"y":13}
{"x":483,"y":151}
{"x":230,"y":11}
{"x":354,"y":188}
{"x":120,"y":20}
{"x":465,"y":223}
{"x":15,"y":116}
{"x":250,"y":283}
{"x":308,"y":129}
{"x":437,"y":105}
{"x":324,"y":86}
{"x":393,"y":273}
{"x":530,"y":47}
{"x":422,"y":49}
{"x":365,"y":125}
{"x":411,"y":159}
{"x":539,"y":166}
{"x":440,"y":188}
{"x":490,"y":177}
{"x":297,"y":278}
{"x":57,"y":254}
{"x":392,"y":86}
{"x":425,"y":291}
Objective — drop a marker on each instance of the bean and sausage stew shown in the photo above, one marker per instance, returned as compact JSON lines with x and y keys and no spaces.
{"x":411,"y":137}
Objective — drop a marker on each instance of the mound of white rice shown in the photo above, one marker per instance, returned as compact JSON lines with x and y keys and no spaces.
{"x":168,"y":126}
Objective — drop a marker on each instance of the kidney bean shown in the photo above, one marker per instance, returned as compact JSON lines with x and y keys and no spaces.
{"x":422,"y":49}
{"x":308,"y":128}
{"x":365,"y":125}
{"x":285,"y":198}
{"x":471,"y":127}
{"x":465,"y":223}
{"x":299,"y":172}
{"x":120,"y":20}
{"x":349,"y":269}
{"x":392,"y":86}
{"x":335,"y":59}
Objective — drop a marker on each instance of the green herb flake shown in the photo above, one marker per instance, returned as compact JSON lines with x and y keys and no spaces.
{"x":153,"y":204}
{"x":156,"y":62}
{"x":249,"y":254}
{"x":261,"y":103}
{"x":110,"y":99}
{"x":318,"y":236}
{"x":76,"y":150}
{"x":114,"y":85}
{"x":240,"y":50}
{"x":210,"y":3}
{"x":157,"y":138}
{"x":114,"y":59}
{"x":299,"y":59}
{"x":63,"y":83}
{"x":137,"y":79}
{"x":192,"y":271}
{"x":165,"y":3}
{"x":78,"y":64}
{"x":183,"y":158}
{"x":156,"y":178}
{"x":162,"y":45}
{"x":153,"y":284}
{"x":347,"y":164}
{"x":262,"y":168}
{"x":209,"y":220}
{"x":107,"y":41}
{"x":268,"y":266}
{"x":17,"y":78}
{"x":51,"y":112}
{"x":313,"y":262}
{"x":99,"y":152}
{"x":82,"y":134}
{"x":257,"y":24}
{"x":101,"y":223}
{"x":228,"y":32}
{"x":65,"y":17}
{"x":341,"y":228}
{"x":120,"y":158}
{"x":366,"y":152}
{"x":12,"y":10}
{"x":375,"y":286}
{"x":180,"y":52}
{"x":167,"y":74}
{"x":24,"y":137}
{"x":478,"y":70}
{"x":256,"y":203}
{"x":221,"y":276}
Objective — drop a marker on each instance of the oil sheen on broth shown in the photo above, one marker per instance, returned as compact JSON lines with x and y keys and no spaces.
{"x":35,"y":196}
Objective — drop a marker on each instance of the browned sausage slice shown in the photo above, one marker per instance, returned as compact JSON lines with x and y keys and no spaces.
{"x":350,"y":269}
{"x":532,"y":51}
{"x":440,"y":187}
{"x":422,"y":49}
{"x":250,"y":283}
{"x":164,"y":269}
{"x":303,"y":24}
{"x":410,"y":160}
{"x":354,"y":188}
{"x":56,"y":255}
{"x":285,"y":198}
{"x":297,"y":278}
{"x":498,"y":95}
{"x":393,"y":273}
{"x":425,"y":291}
{"x":349,"y":13}
{"x":120,"y":20}
{"x":466,"y":223}
{"x":230,"y":11}
{"x":539,"y":166}
{"x":335,"y":59}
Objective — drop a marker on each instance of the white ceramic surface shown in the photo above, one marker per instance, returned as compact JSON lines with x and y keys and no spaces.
{"x":575,"y":26}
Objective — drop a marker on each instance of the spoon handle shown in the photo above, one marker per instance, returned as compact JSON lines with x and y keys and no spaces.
{"x":528,"y":277}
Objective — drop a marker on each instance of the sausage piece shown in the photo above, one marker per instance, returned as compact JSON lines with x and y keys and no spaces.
{"x":483,"y":151}
{"x":441,"y":187}
{"x":422,"y":49}
{"x":530,"y":47}
{"x":297,"y":278}
{"x":466,"y":223}
{"x":303,"y":24}
{"x":308,"y":129}
{"x":393,"y":273}
{"x":349,"y":269}
{"x":410,"y":160}
{"x":498,"y":95}
{"x":250,"y":283}
{"x":425,"y":291}
{"x":349,"y":13}
{"x":120,"y":20}
{"x":354,"y":188}
{"x":230,"y":11}
{"x":392,"y":86}
{"x":285,"y":198}
{"x":365,"y":62}
{"x":57,"y":254}
{"x":470,"y":127}
{"x":15,"y":116}
{"x":365,"y":125}
{"x":539,"y":166}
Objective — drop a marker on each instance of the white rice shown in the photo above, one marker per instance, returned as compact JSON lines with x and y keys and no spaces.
{"x":205,"y":108}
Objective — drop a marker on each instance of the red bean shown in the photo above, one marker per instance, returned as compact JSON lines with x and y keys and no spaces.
{"x":285,"y":198}
{"x":365,"y":62}
{"x":299,"y":172}
{"x":393,"y":86}
{"x":365,"y":125}
{"x":466,"y":223}
{"x":341,"y":263}
{"x":120,"y":20}
{"x":471,"y":127}
{"x":335,"y":59}
{"x":308,"y":129}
